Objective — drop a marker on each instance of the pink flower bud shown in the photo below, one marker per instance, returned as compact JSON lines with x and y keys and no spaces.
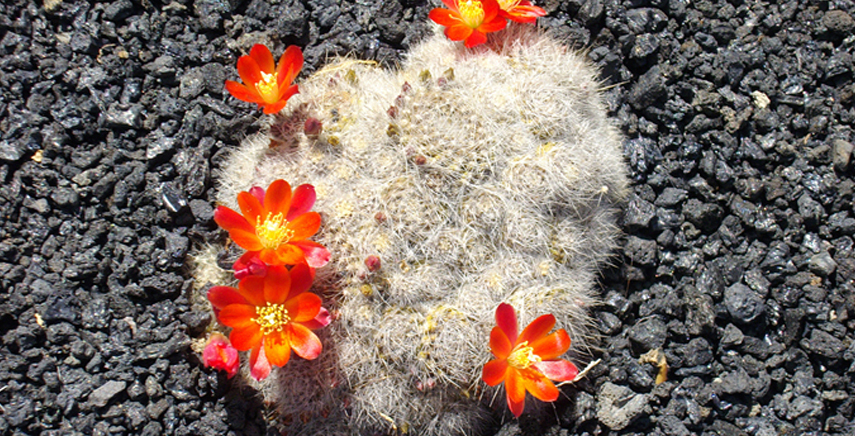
{"x":249,"y":265}
{"x":372,"y":262}
{"x":312,"y":127}
{"x":220,"y":354}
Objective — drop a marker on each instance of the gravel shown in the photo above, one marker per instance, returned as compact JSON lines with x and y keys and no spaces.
{"x":738,"y":262}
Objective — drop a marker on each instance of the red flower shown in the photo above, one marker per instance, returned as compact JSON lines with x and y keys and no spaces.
{"x":527,"y":362}
{"x":469,"y":20}
{"x":521,"y":11}
{"x":274,"y":226}
{"x":271,"y":316}
{"x":220,"y":354}
{"x":264,"y":83}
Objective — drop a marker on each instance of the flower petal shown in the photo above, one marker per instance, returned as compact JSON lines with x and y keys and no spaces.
{"x":251,"y":209}
{"x":500,"y":346}
{"x":277,"y":348}
{"x":304,"y":342}
{"x":523,"y":14}
{"x":491,"y":9}
{"x":458,"y":32}
{"x":259,"y":366}
{"x":323,"y":319}
{"x":286,"y":92}
{"x":252,"y":288}
{"x":277,"y":199}
{"x":248,"y":70}
{"x":316,"y":254}
{"x":305,"y":226}
{"x":538,"y":328}
{"x":289,"y":65}
{"x":515,"y":391}
{"x":246,"y":240}
{"x":242,"y":92}
{"x":539,"y":386}
{"x":285,"y":254}
{"x":475,"y":38}
{"x":229,"y":219}
{"x":237,"y":316}
{"x":452,"y":4}
{"x":551,"y":346}
{"x":222,"y":296}
{"x":258,"y":193}
{"x":277,"y":284}
{"x":246,"y":337}
{"x":558,"y":370}
{"x":304,"y":307}
{"x":506,"y":319}
{"x":301,"y":280}
{"x":494,"y":372}
{"x":275,"y":107}
{"x":302,"y":201}
{"x":498,"y":23}
{"x":444,"y":17}
{"x":262,"y":56}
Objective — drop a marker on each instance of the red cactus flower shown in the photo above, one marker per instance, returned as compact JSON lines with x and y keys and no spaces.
{"x":521,"y":11}
{"x":469,"y":20}
{"x":528,"y":361}
{"x":271,"y":316}
{"x":274,"y":226}
{"x":220,"y":354}
{"x":264,"y":83}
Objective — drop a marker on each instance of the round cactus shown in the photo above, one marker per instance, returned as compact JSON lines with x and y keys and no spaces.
{"x":468,"y":178}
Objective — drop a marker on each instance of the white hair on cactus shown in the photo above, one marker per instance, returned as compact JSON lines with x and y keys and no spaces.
{"x":477,"y":176}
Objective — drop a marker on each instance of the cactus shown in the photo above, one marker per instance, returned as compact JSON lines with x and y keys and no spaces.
{"x":470,"y":177}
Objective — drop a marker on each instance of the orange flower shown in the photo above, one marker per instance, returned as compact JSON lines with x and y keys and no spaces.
{"x":527,"y":362}
{"x":469,"y":20}
{"x":220,"y":354}
{"x":521,"y":11}
{"x":271,"y":316}
{"x":264,"y":83}
{"x":274,"y":226}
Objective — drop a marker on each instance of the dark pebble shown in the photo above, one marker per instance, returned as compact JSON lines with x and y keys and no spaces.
{"x":823,"y":344}
{"x":744,"y":305}
{"x":103,"y":394}
{"x":648,"y":334}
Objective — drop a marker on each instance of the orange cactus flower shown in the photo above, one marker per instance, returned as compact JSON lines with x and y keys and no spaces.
{"x":469,"y":20}
{"x":271,"y":316}
{"x":528,"y":361}
{"x":274,"y":226}
{"x":264,"y":83}
{"x":521,"y":11}
{"x":220,"y":354}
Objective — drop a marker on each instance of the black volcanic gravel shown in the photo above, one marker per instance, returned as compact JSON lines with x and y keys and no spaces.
{"x":738,"y":261}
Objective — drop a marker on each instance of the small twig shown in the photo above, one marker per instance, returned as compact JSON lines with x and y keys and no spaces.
{"x":582,"y":373}
{"x":606,"y":88}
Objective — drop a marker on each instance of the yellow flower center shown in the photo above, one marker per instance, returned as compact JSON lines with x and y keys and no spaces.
{"x":268,"y":88}
{"x":271,"y":318}
{"x":523,"y":356}
{"x":507,"y":5}
{"x":471,"y":12}
{"x":273,"y":231}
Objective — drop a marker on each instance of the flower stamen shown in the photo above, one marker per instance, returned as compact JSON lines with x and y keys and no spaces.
{"x":273,"y":231}
{"x":471,"y":12}
{"x":523,"y":356}
{"x":268,"y":88}
{"x":271,"y":318}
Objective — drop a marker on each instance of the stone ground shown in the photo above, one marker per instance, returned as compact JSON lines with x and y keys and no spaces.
{"x":738,"y":261}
